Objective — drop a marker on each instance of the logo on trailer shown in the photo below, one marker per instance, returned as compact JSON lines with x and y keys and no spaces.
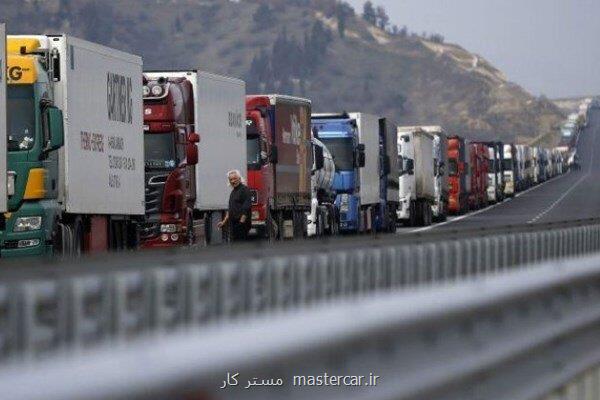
{"x":15,"y":73}
{"x":118,"y":98}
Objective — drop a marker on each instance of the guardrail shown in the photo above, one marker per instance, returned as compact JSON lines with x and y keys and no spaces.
{"x":77,"y":308}
{"x":513,"y":336}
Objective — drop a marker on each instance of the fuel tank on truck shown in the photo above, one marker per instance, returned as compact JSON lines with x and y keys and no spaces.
{"x":323,"y":178}
{"x":3,"y":138}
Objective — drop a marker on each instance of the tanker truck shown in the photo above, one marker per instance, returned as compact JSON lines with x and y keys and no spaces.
{"x":323,"y":218}
{"x":75,"y":152}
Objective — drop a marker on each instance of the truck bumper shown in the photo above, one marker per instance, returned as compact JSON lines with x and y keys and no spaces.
{"x":404,"y":210}
{"x":29,"y":243}
{"x":491,"y":194}
{"x":509,"y":188}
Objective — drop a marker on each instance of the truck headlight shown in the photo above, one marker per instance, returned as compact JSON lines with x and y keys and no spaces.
{"x":25,"y":224}
{"x":255,"y":215}
{"x":168,"y":228}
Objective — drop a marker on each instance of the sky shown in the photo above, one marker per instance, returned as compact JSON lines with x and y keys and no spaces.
{"x":549,"y":47}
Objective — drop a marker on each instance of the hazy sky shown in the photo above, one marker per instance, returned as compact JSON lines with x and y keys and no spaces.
{"x":547,"y":46}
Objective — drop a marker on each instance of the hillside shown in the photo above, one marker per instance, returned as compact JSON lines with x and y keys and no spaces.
{"x":295,"y":47}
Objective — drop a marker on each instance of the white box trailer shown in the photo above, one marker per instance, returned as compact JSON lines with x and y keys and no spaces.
{"x":3,"y":138}
{"x":219,"y":119}
{"x":417,"y":177}
{"x":368,"y":134}
{"x":99,"y":90}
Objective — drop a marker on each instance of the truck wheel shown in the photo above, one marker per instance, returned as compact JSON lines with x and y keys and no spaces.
{"x":413,"y":219}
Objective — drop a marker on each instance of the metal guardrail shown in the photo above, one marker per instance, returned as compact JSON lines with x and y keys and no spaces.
{"x":84,"y":308}
{"x":513,"y":336}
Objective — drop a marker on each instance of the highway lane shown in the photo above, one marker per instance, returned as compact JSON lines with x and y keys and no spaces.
{"x":575,"y":195}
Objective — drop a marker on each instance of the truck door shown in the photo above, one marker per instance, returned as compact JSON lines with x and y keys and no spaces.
{"x":3,"y":138}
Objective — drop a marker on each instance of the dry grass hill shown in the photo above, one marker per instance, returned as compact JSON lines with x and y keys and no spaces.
{"x":298,"y":47}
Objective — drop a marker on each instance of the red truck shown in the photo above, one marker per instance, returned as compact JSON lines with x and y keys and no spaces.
{"x":280,"y":162}
{"x":170,"y":155}
{"x":459,"y":177}
{"x":479,"y":175}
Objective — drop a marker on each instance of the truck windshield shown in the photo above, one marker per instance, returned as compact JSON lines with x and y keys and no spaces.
{"x":253,"y":152}
{"x":342,"y":151}
{"x":491,"y":166}
{"x":159,"y":150}
{"x":20,"y":117}
{"x":508,"y":165}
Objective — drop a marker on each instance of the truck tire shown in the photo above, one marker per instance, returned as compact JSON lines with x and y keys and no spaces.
{"x":413,"y":219}
{"x":78,"y":233}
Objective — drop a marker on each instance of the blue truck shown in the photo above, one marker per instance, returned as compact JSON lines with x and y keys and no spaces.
{"x":366,"y":172}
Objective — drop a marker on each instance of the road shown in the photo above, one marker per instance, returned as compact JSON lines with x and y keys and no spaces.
{"x":575,"y":195}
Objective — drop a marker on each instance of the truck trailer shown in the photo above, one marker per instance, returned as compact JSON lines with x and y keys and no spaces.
{"x":460,"y":177}
{"x":75,"y":153}
{"x":280,"y":160}
{"x":358,"y":145}
{"x":180,"y":194}
{"x":417,"y":178}
{"x":440,"y":170}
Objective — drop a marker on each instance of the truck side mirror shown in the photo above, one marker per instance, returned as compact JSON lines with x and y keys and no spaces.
{"x":360,"y":159}
{"x":55,"y":128}
{"x":319,"y":158}
{"x":191,"y":154}
{"x":193,"y":137}
{"x":274,"y":155}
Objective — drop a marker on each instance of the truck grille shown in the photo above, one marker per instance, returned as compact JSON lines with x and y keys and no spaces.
{"x":155,"y":186}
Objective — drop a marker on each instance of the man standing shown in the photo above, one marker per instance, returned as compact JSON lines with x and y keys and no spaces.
{"x":240,"y":208}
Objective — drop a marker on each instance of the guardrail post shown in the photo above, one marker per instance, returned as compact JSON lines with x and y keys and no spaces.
{"x":231,"y":289}
{"x":202,"y":293}
{"x":259,"y":298}
{"x":168,"y":298}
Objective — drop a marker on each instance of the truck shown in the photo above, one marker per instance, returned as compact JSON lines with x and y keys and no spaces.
{"x":479,"y":175}
{"x":389,"y":177}
{"x":360,"y":146}
{"x":510,"y":169}
{"x":185,"y":183}
{"x":280,"y":160}
{"x":324,"y":215}
{"x":495,"y":184}
{"x":440,"y":159}
{"x":460,"y":177}
{"x":75,"y":153}
{"x":417,"y":178}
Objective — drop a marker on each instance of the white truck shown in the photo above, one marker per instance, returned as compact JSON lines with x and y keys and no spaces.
{"x":417,"y":178}
{"x":219,"y":119}
{"x":76,"y":173}
{"x":440,"y":159}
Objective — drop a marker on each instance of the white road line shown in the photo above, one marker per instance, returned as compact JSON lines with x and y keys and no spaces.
{"x":547,"y":210}
{"x":460,"y":218}
{"x":589,"y":171}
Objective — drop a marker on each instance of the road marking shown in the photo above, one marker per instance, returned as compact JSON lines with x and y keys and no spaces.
{"x":588,"y":173}
{"x":460,"y":218}
{"x":547,"y":210}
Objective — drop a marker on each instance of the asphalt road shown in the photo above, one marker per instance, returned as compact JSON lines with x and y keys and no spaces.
{"x":575,"y":195}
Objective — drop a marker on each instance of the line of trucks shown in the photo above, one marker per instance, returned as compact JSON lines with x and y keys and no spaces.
{"x":101,"y":155}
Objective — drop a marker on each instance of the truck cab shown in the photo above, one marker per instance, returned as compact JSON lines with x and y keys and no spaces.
{"x":509,"y":166}
{"x":460,"y":178}
{"x":170,"y":155}
{"x":340,"y":135}
{"x":35,"y":133}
